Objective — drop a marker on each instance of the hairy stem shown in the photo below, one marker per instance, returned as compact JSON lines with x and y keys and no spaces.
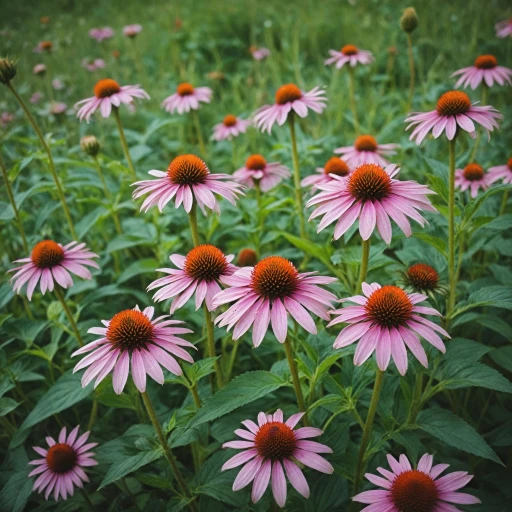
{"x":71,"y":319}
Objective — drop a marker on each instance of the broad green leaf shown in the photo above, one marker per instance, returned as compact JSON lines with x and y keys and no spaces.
{"x":200,"y":369}
{"x":464,"y":374}
{"x":87,"y":222}
{"x":434,"y":241}
{"x":16,"y":491}
{"x":307,"y":246}
{"x":495,"y":296}
{"x":138,"y":267}
{"x":503,"y":357}
{"x":7,"y":405}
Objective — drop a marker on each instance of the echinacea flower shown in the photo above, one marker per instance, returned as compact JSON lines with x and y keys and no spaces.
{"x":43,"y":46}
{"x":334,"y":165}
{"x":52,"y":263}
{"x":373,"y":195}
{"x":188,"y":180}
{"x":366,"y":150}
{"x":411,"y":490}
{"x":36,"y":98}
{"x":133,"y":336}
{"x":186,"y":98}
{"x":504,"y":28}
{"x":350,"y":55}
{"x":424,"y":279}
{"x":39,"y":69}
{"x":454,"y":111}
{"x":198,"y":273}
{"x":270,"y":445}
{"x":231,"y":126}
{"x":107,"y":94}
{"x":387,"y":320}
{"x":6,"y":119}
{"x":266,"y":293}
{"x":259,"y":53}
{"x":289,"y":98}
{"x":57,"y":108}
{"x":258,"y":170}
{"x":247,"y":258}
{"x":132,"y":30}
{"x":57,"y":84}
{"x":472,"y":177}
{"x":93,"y":64}
{"x":101,"y":34}
{"x":501,"y":172}
{"x":61,"y":468}
{"x":485,"y":69}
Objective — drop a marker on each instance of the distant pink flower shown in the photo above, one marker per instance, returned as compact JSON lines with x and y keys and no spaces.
{"x":259,"y":53}
{"x":50,"y":262}
{"x":39,"y":69}
{"x":258,"y":170}
{"x":186,"y":98}
{"x":58,"y":108}
{"x":6,"y":119}
{"x":350,"y":55}
{"x":93,"y":65}
{"x":43,"y":46}
{"x":57,"y":84}
{"x":405,"y":488}
{"x":187,"y":179}
{"x":132,"y":30}
{"x":231,"y":126}
{"x":132,"y":336}
{"x":61,"y":468}
{"x":504,"y":28}
{"x":453,"y":111}
{"x":366,"y":150}
{"x":36,"y":98}
{"x":472,"y":177}
{"x":270,"y":445}
{"x":372,"y":195}
{"x":101,"y":34}
{"x":386,"y":320}
{"x":289,"y":98}
{"x":266,"y":293}
{"x":198,"y":273}
{"x":485,"y":69}
{"x":334,"y":165}
{"x":107,"y":94}
{"x":501,"y":172}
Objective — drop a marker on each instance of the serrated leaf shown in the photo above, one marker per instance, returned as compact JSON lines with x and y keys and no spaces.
{"x":503,"y":357}
{"x":463,"y":374}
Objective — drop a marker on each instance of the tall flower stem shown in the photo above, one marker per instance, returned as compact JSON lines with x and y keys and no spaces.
{"x":71,"y":319}
{"x":211,"y":345}
{"x":485,"y":95}
{"x":365,"y":257}
{"x":199,"y":133}
{"x":296,"y":177}
{"x":295,"y":377}
{"x":108,"y":195}
{"x":451,"y":227}
{"x":167,"y":451}
{"x":193,"y":225}
{"x":379,"y":377}
{"x":122,"y":137}
{"x":352,"y":91}
{"x":195,"y":396}
{"x":411,"y":70}
{"x":53,"y":172}
{"x":8,"y":188}
{"x":504,"y":202}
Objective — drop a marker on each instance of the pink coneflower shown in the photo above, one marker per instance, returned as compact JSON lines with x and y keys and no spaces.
{"x":43,"y":46}
{"x":270,"y":445}
{"x":186,"y":98}
{"x":334,"y":165}
{"x":258,"y":170}
{"x":57,"y":108}
{"x":93,"y":64}
{"x":289,"y":98}
{"x":266,"y":293}
{"x":101,"y":34}
{"x":36,"y":98}
{"x":259,"y":53}
{"x":472,"y":177}
{"x":57,"y":84}
{"x":132,"y":30}
{"x":386,"y":320}
{"x":198,"y":273}
{"x":407,"y":490}
{"x":39,"y":69}
{"x":372,"y":195}
{"x":504,"y":28}
{"x":133,"y":335}
{"x":485,"y":69}
{"x":422,"y":278}
{"x":366,"y":150}
{"x":6,"y":119}
{"x":187,"y":179}
{"x":61,"y":468}
{"x":50,"y":262}
{"x":107,"y":94}
{"x":501,"y":172}
{"x":231,"y":126}
{"x":454,"y":110}
{"x":351,"y":55}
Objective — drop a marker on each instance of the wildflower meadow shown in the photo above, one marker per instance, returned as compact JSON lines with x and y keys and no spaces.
{"x":256,"y":256}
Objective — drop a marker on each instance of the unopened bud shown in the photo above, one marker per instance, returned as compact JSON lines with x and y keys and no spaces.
{"x":90,"y":145}
{"x":409,"y":20}
{"x":7,"y":70}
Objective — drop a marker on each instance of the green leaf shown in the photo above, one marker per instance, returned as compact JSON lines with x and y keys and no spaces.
{"x":474,"y":206}
{"x":455,"y":432}
{"x":434,"y":241}
{"x":307,"y":246}
{"x":138,"y":267}
{"x":16,"y":491}
{"x":200,"y":369}
{"x":87,"y":222}
{"x":503,"y":357}
{"x":495,"y":296}
{"x":7,"y":405}
{"x":464,"y":374}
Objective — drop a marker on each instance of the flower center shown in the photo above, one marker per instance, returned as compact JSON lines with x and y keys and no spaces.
{"x":473,"y":172}
{"x":366,"y":143}
{"x":229,"y":120}
{"x":46,"y":45}
{"x":247,"y":258}
{"x":336,"y":166}
{"x":61,"y":458}
{"x":288,"y":93}
{"x":47,"y":254}
{"x":205,"y":262}
{"x":129,"y":329}
{"x":106,"y":87}
{"x":369,"y":182}
{"x":255,"y":163}
{"x":275,"y":441}
{"x":414,"y":491}
{"x":274,"y":278}
{"x":185,"y":89}
{"x":486,"y":62}
{"x":349,"y":49}
{"x":422,"y":277}
{"x":187,"y":170}
{"x":389,"y":306}
{"x":509,"y":163}
{"x":452,"y":103}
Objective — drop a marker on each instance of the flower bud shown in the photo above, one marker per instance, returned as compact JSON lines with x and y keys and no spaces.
{"x":90,"y":145}
{"x":247,"y":258}
{"x":409,"y":20}
{"x":7,"y":70}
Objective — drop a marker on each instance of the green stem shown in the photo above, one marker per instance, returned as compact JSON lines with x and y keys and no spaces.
{"x":167,"y":450}
{"x":451,"y":228}
{"x":485,"y":94}
{"x":195,"y":396}
{"x":418,"y":389}
{"x":62,"y":300}
{"x":94,"y":414}
{"x":41,"y":138}
{"x":411,"y":70}
{"x":126,"y":151}
{"x":367,"y":430}
{"x":352,"y":91}
{"x":199,"y":133}
{"x":193,"y":225}
{"x":504,"y":202}
{"x":296,"y":177}
{"x":211,"y":344}
{"x":108,"y":195}
{"x":365,"y":257}
{"x":295,"y":378}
